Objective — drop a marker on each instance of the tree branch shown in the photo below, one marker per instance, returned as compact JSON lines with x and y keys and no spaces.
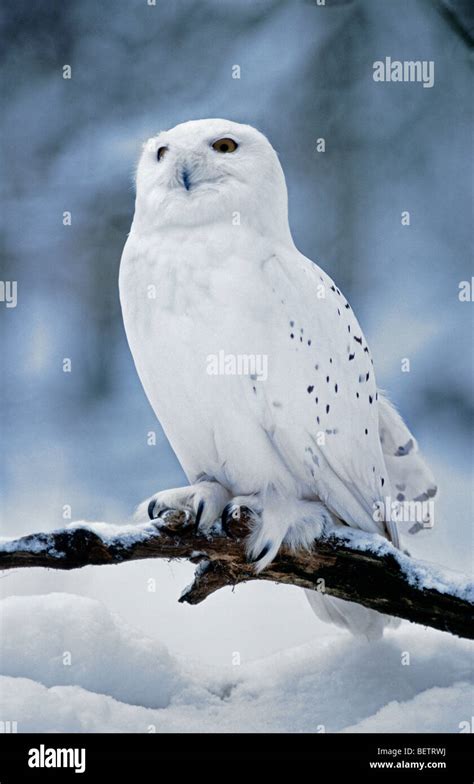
{"x":354,"y":566}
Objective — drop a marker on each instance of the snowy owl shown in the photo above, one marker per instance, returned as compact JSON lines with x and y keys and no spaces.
{"x":253,"y":359}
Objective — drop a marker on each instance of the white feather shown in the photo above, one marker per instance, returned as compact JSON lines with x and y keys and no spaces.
{"x":210,"y":267}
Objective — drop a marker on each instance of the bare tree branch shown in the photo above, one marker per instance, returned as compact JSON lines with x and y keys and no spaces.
{"x":352,"y":566}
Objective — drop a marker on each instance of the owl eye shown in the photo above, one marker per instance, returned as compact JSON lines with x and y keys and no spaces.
{"x":225,"y":145}
{"x":161,"y":152}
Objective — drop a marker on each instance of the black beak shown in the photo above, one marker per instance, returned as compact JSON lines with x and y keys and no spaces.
{"x":186,"y":179}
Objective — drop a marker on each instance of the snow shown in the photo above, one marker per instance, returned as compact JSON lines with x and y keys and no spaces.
{"x":108,"y":532}
{"x":124,"y":535}
{"x":435,"y":710}
{"x":106,"y":656}
{"x":420,"y":574}
{"x":37,"y":543}
{"x":120,"y":680}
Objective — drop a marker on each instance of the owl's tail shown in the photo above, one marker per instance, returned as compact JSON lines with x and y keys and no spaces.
{"x":354,"y":618}
{"x":360,"y":621}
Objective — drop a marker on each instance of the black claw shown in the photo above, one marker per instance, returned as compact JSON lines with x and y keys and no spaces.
{"x":161,"y":512}
{"x":199,"y":514}
{"x":225,"y":517}
{"x":262,"y":553}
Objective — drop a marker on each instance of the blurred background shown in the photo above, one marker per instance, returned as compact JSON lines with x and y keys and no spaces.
{"x":79,"y":439}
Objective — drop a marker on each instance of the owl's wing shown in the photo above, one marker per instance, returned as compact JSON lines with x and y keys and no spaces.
{"x":321,"y":396}
{"x":410,"y":477}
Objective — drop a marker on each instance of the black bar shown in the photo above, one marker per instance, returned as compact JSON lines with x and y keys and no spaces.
{"x":344,"y":755}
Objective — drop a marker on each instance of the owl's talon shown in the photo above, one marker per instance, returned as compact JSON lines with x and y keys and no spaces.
{"x":188,"y":516}
{"x":151,"y":509}
{"x":261,"y":554}
{"x":227,"y":513}
{"x":199,"y":512}
{"x":233,"y":513}
{"x":166,"y":511}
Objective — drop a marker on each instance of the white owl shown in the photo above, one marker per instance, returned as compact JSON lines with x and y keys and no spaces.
{"x":253,"y":359}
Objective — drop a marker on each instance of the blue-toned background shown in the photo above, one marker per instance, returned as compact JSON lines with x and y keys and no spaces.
{"x":80,"y":438}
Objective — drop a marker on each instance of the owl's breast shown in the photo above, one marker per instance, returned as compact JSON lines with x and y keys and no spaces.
{"x":192,"y":311}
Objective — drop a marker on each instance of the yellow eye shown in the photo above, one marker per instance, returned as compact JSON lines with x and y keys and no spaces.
{"x":161,"y":152}
{"x":225,"y":145}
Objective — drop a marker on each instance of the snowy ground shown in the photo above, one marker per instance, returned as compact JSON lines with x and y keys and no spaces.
{"x":141,"y":662}
{"x":119,"y":680}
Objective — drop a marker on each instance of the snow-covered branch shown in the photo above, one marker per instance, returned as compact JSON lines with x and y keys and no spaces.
{"x":353,"y":566}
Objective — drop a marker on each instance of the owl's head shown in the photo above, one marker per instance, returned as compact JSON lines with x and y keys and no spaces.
{"x":211,"y":171}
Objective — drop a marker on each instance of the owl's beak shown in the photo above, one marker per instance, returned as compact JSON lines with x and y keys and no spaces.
{"x":185,"y":178}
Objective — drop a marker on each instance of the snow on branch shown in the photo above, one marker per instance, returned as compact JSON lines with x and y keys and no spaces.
{"x":355,"y":566}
